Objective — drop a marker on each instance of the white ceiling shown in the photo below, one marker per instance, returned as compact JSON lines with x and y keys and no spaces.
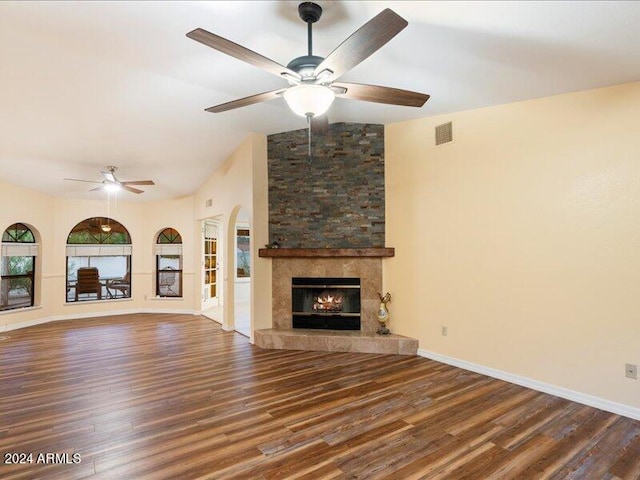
{"x":89,"y":84}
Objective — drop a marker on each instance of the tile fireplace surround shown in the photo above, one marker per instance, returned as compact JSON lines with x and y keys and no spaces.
{"x":364,"y":263}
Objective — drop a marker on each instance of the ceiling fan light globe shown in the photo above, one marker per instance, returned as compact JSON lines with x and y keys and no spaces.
{"x":307,"y":100}
{"x":112,"y":187}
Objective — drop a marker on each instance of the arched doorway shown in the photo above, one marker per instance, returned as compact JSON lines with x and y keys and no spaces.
{"x":239,"y":255}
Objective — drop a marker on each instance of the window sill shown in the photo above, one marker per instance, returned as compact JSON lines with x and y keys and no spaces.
{"x":162,"y":299}
{"x":93,"y":302}
{"x":20,"y":310}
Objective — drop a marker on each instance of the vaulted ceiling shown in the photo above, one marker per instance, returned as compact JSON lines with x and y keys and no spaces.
{"x":84,"y":85}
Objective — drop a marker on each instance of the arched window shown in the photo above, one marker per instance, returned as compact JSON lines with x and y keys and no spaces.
{"x":17,"y":269}
{"x":169,"y":263}
{"x":98,"y":260}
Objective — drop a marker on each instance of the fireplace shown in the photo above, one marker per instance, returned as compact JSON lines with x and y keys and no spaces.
{"x":325,"y":303}
{"x":358,"y":269}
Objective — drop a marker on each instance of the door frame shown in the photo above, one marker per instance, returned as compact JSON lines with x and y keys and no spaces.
{"x":217,"y":301}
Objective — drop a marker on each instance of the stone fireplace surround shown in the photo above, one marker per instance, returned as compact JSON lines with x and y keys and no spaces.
{"x":364,"y":263}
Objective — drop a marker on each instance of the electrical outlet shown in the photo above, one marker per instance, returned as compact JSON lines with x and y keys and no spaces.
{"x":444,"y":331}
{"x":631,"y":370}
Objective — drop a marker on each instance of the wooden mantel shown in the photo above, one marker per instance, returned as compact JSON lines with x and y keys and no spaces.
{"x":326,"y":252}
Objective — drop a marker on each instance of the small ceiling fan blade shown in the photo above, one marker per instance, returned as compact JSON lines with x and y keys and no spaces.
{"x":101,"y":187}
{"x":361,"y":44}
{"x":109,"y":176}
{"x":131,"y":189}
{"x":388,"y":95}
{"x":238,"y":51}
{"x":78,"y":180}
{"x":320,"y":125}
{"x":138,"y":182}
{"x":243,"y":102}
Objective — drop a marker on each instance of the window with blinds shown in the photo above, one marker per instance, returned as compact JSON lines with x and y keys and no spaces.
{"x":168,"y":250}
{"x":18,"y":267}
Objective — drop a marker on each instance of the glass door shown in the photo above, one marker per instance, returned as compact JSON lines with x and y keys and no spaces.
{"x":211,"y":293}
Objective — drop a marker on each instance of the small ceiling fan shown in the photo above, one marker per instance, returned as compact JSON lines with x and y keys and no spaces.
{"x":112,"y":184}
{"x":312,"y":79}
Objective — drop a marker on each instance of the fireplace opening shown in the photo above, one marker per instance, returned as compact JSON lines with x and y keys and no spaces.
{"x":326,"y":303}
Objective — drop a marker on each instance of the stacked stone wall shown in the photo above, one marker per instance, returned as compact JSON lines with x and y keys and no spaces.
{"x":337,"y":199}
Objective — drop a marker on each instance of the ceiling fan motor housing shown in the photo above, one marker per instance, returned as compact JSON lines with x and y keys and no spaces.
{"x":305,"y":65}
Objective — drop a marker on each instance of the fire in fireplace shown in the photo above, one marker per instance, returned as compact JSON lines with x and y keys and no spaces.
{"x":326,"y":303}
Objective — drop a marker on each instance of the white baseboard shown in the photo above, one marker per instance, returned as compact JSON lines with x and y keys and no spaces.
{"x":583,"y":398}
{"x":75,"y":316}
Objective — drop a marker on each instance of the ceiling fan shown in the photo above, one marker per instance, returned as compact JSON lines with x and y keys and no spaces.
{"x":112,"y":184}
{"x":312,"y":79}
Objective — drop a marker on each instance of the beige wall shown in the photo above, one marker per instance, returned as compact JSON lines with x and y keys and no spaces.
{"x":53,"y":218}
{"x":523,"y":238}
{"x":36,"y":210}
{"x":261,"y":267}
{"x":241,"y":183}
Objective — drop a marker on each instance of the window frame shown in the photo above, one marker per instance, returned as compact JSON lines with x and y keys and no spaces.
{"x":86,"y":240}
{"x":17,"y":242}
{"x":242,"y":228}
{"x":169,"y":244}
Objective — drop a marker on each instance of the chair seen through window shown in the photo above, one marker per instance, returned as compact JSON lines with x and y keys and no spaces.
{"x":104,"y":245}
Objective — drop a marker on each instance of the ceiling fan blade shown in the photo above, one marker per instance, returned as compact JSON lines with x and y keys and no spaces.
{"x":320,"y":125}
{"x":101,"y":187}
{"x":374,"y":93}
{"x":109,"y":176}
{"x":78,"y":180}
{"x":241,"y":53}
{"x":361,"y":44}
{"x":131,"y":189}
{"x":138,"y":182}
{"x":243,"y":102}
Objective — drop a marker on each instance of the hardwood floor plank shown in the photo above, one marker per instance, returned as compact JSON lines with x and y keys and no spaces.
{"x":597,"y":461}
{"x":510,"y":438}
{"x":447,"y":452}
{"x":323,"y":471}
{"x":627,"y":466}
{"x":490,"y":408}
{"x":572,"y":446}
{"x":519,"y":459}
{"x":174,"y":397}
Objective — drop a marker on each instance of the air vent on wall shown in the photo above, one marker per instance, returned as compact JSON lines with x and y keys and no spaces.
{"x":208,"y":202}
{"x":444,"y":133}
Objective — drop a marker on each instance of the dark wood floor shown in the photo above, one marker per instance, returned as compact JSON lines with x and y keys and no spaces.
{"x":175,"y":397}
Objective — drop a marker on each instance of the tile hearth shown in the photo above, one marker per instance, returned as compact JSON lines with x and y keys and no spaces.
{"x":335,"y":341}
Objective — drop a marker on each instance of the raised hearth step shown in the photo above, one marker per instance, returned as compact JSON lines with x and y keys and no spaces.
{"x":335,"y":341}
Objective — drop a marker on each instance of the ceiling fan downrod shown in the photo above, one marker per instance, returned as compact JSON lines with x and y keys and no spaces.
{"x":310,"y":13}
